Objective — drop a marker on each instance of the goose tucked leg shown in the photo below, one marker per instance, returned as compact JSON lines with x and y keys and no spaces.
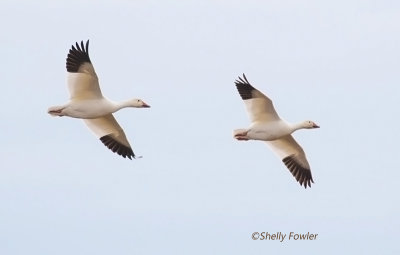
{"x":240,"y":134}
{"x":56,"y":111}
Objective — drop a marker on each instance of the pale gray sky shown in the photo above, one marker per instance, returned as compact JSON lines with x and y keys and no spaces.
{"x":197,"y":190}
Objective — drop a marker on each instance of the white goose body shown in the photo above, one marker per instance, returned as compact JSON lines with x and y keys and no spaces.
{"x":267,"y":126}
{"x":268,"y":131}
{"x":87,"y":102}
{"x":89,"y":109}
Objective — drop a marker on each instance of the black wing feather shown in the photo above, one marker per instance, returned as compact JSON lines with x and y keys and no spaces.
{"x":244,"y":88}
{"x":77,"y":56}
{"x":117,"y":147}
{"x":302,"y":175}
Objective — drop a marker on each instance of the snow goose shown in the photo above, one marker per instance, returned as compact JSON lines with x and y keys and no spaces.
{"x":267,"y":126}
{"x":87,"y":102}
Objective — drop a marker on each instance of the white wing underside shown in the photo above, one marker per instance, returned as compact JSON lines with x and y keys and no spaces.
{"x":84,"y":85}
{"x":287,"y":146}
{"x":260,"y":108}
{"x":105,"y":126}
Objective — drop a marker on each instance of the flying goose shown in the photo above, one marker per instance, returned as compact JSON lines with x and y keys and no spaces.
{"x":267,"y":126}
{"x":87,"y":102}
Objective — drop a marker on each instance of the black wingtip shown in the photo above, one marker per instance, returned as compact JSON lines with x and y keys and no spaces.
{"x":302,"y":175}
{"x":116,"y":147}
{"x":77,"y":55}
{"x":244,"y":87}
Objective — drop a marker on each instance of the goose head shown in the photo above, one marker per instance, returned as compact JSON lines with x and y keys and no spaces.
{"x":138,"y":103}
{"x":309,"y":124}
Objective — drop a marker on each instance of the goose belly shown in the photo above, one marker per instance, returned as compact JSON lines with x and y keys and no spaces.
{"x":267,"y":132}
{"x":89,"y":109}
